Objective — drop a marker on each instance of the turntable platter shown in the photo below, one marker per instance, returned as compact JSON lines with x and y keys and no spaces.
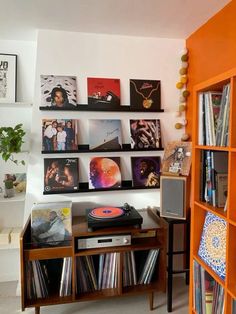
{"x":106,"y":212}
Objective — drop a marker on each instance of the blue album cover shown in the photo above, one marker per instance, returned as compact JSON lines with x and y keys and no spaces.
{"x":212,"y":249}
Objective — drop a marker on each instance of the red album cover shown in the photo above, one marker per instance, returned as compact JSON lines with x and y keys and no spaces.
{"x":145,"y":95}
{"x":59,"y":135}
{"x":61,"y":174}
{"x":145,"y":134}
{"x":146,"y":171}
{"x":104,"y":172}
{"x":103,"y":92}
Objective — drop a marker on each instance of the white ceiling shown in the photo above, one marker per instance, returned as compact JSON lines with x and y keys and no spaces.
{"x":19,"y":19}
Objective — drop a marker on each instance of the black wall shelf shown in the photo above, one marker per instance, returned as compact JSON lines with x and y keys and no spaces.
{"x":85,"y":149}
{"x":85,"y":107}
{"x":84,"y":188}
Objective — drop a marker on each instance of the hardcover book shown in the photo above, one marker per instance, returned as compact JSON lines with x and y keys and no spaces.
{"x":145,"y":95}
{"x":58,"y":92}
{"x":103,"y":92}
{"x":105,"y":134}
{"x":212,"y":248}
{"x":104,"y":172}
{"x":59,"y":135}
{"x":145,"y":134}
{"x":61,"y":174}
{"x":177,"y":158}
{"x":51,"y":223}
{"x":146,"y":171}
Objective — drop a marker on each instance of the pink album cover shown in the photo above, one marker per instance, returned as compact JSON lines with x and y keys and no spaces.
{"x":104,"y":172}
{"x":103,"y":92}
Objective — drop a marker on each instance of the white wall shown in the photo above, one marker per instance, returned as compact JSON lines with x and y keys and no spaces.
{"x":84,"y":55}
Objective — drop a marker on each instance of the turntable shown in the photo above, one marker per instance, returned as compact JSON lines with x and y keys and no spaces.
{"x":103,"y":217}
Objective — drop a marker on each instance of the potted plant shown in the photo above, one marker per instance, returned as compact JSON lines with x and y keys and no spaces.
{"x":11,"y":140}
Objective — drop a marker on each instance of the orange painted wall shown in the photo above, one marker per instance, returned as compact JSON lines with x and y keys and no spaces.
{"x":212,"y":50}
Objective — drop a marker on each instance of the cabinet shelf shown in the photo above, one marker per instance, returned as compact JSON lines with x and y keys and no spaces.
{"x":214,"y":210}
{"x":9,"y":246}
{"x":83,"y":188}
{"x":16,"y":105}
{"x":19,"y":197}
{"x":85,"y":107}
{"x":220,"y":148}
{"x":85,"y":149}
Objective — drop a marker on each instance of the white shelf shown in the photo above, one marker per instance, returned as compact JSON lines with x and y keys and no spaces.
{"x":9,"y":246}
{"x":19,"y":197}
{"x":16,"y":104}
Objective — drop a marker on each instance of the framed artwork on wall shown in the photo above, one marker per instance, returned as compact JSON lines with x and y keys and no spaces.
{"x":8,"y":64}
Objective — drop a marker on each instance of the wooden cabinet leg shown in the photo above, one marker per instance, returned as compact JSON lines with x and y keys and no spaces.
{"x":151,"y":298}
{"x":37,"y":310}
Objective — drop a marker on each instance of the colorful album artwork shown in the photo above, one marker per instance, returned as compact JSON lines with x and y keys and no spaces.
{"x":104,"y":172}
{"x":61,"y":174}
{"x":145,"y":134}
{"x":59,"y":135}
{"x":177,"y":158}
{"x":104,"y":134}
{"x":51,"y":223}
{"x":59,"y":92}
{"x":18,"y":180}
{"x":212,"y":248}
{"x":103,"y":92}
{"x":145,"y":95}
{"x":146,"y":171}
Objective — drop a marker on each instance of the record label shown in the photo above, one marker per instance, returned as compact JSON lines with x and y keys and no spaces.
{"x":106,"y":212}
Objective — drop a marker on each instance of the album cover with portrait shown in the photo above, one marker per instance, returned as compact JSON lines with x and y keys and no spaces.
{"x":145,"y":134}
{"x":61,"y":174}
{"x":146,"y":171}
{"x":59,"y":135}
{"x":177,"y":158}
{"x":145,"y":95}
{"x":103,"y":93}
{"x":105,"y":134}
{"x":104,"y":172}
{"x":51,"y":223}
{"x":58,"y":92}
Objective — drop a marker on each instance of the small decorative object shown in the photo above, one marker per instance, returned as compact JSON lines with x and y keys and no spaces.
{"x":178,"y":125}
{"x":145,"y":134}
{"x":185,"y":93}
{"x":105,"y":134}
{"x":104,"y":172}
{"x":103,"y":93}
{"x":11,"y":140}
{"x":19,"y":181}
{"x":61,"y":174}
{"x":182,"y":107}
{"x":185,"y":137}
{"x":212,"y":249}
{"x":8,"y":63}
{"x":145,"y":95}
{"x":9,"y":187}
{"x":58,"y":92}
{"x":59,"y":135}
{"x":146,"y":171}
{"x":177,"y":158}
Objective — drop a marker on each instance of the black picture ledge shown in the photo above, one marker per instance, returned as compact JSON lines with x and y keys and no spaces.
{"x":84,"y":188}
{"x":85,"y":149}
{"x":86,"y":107}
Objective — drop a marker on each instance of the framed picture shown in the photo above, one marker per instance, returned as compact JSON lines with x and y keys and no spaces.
{"x":8,"y":78}
{"x":58,"y":92}
{"x":146,"y":171}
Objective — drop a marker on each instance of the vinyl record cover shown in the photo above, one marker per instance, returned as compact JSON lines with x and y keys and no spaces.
{"x":61,"y":174}
{"x":51,"y":223}
{"x":104,"y":172}
{"x":212,"y":248}
{"x":177,"y":158}
{"x":145,"y":134}
{"x":104,"y":134}
{"x":103,"y":92}
{"x":146,"y":171}
{"x":59,"y":92}
{"x":59,"y":134}
{"x":145,"y":94}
